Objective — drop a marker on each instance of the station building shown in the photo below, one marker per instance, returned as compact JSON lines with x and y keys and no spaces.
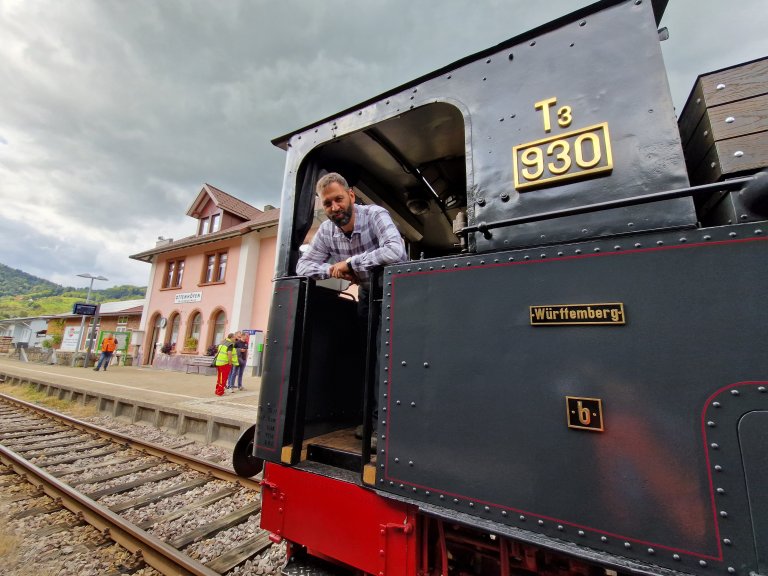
{"x":204,"y":286}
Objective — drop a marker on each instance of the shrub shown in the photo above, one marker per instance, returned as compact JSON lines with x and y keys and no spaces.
{"x":190,"y":343}
{"x":212,"y":349}
{"x":167,"y":348}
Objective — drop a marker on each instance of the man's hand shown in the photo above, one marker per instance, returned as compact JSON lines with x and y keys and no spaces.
{"x":342,"y":270}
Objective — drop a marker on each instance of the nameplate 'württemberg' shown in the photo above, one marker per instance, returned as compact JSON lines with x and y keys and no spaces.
{"x":611,"y":313}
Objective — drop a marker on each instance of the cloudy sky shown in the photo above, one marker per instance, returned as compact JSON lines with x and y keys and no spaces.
{"x":113,"y":113}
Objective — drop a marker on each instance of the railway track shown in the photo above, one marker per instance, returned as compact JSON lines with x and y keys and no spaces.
{"x":172,"y":512}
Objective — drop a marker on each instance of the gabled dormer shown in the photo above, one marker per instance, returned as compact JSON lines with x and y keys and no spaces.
{"x":216,"y":210}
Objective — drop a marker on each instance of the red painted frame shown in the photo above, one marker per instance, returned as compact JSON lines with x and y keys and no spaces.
{"x":340,"y":521}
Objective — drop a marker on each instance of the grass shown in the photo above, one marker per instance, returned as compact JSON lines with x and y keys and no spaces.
{"x":30,"y":394}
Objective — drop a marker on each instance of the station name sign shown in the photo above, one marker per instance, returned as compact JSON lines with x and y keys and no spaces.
{"x":185,"y":297}
{"x":611,"y":313}
{"x":84,"y":309}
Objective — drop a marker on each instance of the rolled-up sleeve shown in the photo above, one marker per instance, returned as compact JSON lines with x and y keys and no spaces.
{"x":314,"y":262}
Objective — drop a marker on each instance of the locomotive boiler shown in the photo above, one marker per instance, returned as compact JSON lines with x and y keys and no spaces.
{"x":571,"y":369}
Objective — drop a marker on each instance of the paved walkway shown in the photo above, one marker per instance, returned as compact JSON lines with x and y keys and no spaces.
{"x":185,"y":392}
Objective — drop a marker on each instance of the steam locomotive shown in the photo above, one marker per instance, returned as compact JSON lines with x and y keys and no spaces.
{"x":570,"y":374}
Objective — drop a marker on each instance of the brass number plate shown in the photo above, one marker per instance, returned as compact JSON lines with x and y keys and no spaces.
{"x":584,"y":413}
{"x":579,"y":154}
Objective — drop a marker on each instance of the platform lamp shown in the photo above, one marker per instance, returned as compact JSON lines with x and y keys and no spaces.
{"x":82,"y":322}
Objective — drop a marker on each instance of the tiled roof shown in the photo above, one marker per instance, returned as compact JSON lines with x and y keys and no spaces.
{"x":264,"y":219}
{"x":231,"y":204}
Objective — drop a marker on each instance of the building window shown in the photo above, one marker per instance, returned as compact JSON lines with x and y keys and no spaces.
{"x":215,"y":268}
{"x":122,"y":320}
{"x":193,"y":333}
{"x":219,"y":325}
{"x":175,"y":324}
{"x":204,"y":224}
{"x":215,"y":222}
{"x":174,"y":270}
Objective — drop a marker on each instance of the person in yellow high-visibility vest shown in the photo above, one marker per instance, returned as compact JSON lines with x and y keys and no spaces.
{"x":223,"y":363}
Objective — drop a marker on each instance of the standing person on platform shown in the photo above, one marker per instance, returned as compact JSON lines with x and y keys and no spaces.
{"x":108,"y":346}
{"x":223,"y":363}
{"x":241,"y":348}
{"x":236,"y":366}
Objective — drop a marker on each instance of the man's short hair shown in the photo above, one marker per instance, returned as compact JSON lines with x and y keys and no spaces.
{"x":329,"y":179}
{"x":231,"y":335}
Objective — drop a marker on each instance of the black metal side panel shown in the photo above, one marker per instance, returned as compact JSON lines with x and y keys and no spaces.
{"x":753,"y":436}
{"x":281,"y":368}
{"x":475,"y":414}
{"x":596,"y":88}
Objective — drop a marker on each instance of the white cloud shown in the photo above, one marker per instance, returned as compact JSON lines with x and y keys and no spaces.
{"x":115,"y":113}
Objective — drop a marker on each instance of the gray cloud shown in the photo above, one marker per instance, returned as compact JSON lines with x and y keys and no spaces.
{"x":115,"y":113}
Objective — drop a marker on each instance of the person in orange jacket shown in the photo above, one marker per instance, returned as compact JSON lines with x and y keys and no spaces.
{"x":108,"y":346}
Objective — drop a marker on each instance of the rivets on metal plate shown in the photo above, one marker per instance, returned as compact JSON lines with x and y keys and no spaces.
{"x":426,"y":364}
{"x":683,"y":240}
{"x":627,"y":545}
{"x":711,"y":424}
{"x":718,"y":468}
{"x":487,"y":508}
{"x":581,"y":532}
{"x":720,"y":86}
{"x":471,"y":504}
{"x":541,"y":522}
{"x":727,"y":541}
{"x":560,"y":527}
{"x":603,"y":539}
{"x":723,"y":514}
{"x":738,"y":154}
{"x":481,"y":201}
{"x":403,"y":363}
{"x":714,"y":445}
{"x":577,"y":251}
{"x":703,"y":563}
{"x":761,"y":389}
{"x":707,"y":237}
{"x":731,"y":570}
{"x":716,"y":404}
{"x":503,"y":512}
{"x":583,"y":23}
{"x":659,"y":243}
{"x":522,"y":517}
{"x":638,"y":245}
{"x":651,"y":551}
{"x":758,"y":231}
{"x":730,"y":120}
{"x":596,"y":250}
{"x":676,"y":557}
{"x":735,"y":393}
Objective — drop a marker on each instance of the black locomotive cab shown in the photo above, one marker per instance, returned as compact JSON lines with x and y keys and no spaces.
{"x":569,"y":356}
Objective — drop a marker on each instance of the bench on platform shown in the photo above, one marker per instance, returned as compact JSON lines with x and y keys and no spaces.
{"x":200,"y":361}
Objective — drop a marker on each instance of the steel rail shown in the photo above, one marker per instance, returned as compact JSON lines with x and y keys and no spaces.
{"x":154,"y":551}
{"x":192,"y":462}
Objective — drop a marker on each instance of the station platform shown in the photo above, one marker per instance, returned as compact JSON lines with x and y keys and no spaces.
{"x":181,"y":403}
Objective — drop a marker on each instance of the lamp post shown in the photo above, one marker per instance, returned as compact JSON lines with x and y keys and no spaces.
{"x":82,"y":322}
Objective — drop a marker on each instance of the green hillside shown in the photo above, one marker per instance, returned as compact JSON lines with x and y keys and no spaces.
{"x":23,"y":295}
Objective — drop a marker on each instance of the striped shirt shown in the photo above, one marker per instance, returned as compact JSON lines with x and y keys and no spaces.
{"x":375,"y":241}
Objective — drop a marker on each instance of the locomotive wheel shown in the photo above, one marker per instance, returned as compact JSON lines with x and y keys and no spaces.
{"x":243,"y":460}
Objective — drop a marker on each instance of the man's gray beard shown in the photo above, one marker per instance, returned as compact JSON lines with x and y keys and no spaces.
{"x":344,"y":219}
